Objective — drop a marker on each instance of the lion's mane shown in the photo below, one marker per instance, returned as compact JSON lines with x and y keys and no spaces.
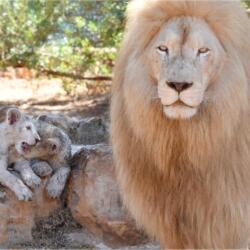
{"x":185,"y":181}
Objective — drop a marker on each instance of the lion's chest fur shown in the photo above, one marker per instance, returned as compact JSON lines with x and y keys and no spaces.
{"x":187,"y":185}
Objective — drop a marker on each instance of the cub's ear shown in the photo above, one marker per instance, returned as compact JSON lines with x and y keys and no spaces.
{"x":13,"y":115}
{"x":53,"y":146}
{"x":41,"y":118}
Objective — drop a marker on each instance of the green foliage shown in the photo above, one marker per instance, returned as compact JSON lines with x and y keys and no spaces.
{"x":70,"y":36}
{"x":74,"y":36}
{"x":24,"y":27}
{"x":246,"y":3}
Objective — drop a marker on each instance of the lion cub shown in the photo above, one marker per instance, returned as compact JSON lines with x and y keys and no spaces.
{"x":17,"y":130}
{"x":51,"y":154}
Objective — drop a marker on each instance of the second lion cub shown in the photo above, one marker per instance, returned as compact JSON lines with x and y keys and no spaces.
{"x":51,"y":155}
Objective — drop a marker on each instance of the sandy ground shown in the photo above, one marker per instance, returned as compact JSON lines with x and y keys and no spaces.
{"x":38,"y":96}
{"x":14,"y":90}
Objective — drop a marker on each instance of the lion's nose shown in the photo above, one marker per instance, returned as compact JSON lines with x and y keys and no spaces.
{"x":179,"y":86}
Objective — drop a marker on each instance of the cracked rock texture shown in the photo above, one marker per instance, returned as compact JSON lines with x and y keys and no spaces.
{"x":94,"y":199}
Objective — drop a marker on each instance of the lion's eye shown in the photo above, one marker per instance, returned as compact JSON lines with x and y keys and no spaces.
{"x":203,"y":51}
{"x":28,"y":128}
{"x":163,"y":48}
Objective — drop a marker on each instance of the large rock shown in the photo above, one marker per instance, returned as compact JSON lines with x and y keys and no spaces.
{"x":86,"y":131}
{"x":18,"y":218}
{"x":91,"y":131}
{"x":94,"y":199}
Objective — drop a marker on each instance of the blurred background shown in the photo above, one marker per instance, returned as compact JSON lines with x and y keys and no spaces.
{"x":58,"y":55}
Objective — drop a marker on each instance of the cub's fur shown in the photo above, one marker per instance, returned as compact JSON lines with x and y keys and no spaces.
{"x":27,"y":168}
{"x":53,"y":150}
{"x":17,"y":130}
{"x":186,"y":181}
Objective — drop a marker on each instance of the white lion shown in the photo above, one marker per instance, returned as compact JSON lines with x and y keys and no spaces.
{"x":17,"y":130}
{"x":180,"y":121}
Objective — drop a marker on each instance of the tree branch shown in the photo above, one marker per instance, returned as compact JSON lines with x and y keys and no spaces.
{"x":75,"y":76}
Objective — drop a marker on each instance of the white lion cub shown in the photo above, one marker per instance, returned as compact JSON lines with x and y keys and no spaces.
{"x":17,"y":130}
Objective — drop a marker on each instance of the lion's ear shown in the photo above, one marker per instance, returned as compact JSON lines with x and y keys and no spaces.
{"x":13,"y":116}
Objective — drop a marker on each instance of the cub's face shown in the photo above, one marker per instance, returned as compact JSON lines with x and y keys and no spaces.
{"x":184,"y":58}
{"x":28,"y":132}
{"x":43,"y":150}
{"x":21,"y":129}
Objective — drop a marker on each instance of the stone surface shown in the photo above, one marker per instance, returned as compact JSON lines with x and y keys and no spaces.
{"x":18,"y":218}
{"x":94,"y":199}
{"x":66,"y":123}
{"x":84,"y":131}
{"x":91,"y":131}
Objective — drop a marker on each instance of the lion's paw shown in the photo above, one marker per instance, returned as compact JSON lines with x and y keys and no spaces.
{"x":41,"y":168}
{"x":32,"y":180}
{"x":23,"y":194}
{"x":53,"y":190}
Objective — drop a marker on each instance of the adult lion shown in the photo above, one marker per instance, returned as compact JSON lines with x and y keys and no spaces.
{"x":180,"y":122}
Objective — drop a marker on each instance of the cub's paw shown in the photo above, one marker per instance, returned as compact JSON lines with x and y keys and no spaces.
{"x":32,"y":180}
{"x":41,"y":168}
{"x":24,"y":194}
{"x":54,"y":189}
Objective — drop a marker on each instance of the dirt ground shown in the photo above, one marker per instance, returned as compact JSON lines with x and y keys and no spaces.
{"x":37,"y":96}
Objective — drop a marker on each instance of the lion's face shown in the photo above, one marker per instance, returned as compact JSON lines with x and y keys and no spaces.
{"x":184,"y":58}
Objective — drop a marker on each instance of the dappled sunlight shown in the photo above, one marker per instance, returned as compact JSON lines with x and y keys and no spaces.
{"x":23,"y":90}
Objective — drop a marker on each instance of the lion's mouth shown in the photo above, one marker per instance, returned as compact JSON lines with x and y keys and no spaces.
{"x":179,"y":110}
{"x":179,"y":103}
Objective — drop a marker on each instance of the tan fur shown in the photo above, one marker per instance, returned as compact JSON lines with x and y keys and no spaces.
{"x":185,"y":181}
